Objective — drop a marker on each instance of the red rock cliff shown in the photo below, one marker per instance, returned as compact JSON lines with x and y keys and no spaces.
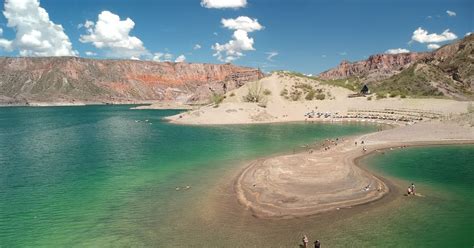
{"x":69,"y":79}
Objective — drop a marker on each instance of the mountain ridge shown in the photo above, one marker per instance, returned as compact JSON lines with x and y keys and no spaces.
{"x":448,"y":71}
{"x":74,"y":79}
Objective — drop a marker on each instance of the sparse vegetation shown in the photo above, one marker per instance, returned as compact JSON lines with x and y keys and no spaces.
{"x":320,"y":96}
{"x":369,"y":98}
{"x":284,"y":93}
{"x":351,"y":83}
{"x":232,"y":94}
{"x":310,"y":95}
{"x":379,"y":95}
{"x":409,"y":82}
{"x":267,"y":92}
{"x":295,"y":95}
{"x":217,"y":99}
{"x":255,"y":93}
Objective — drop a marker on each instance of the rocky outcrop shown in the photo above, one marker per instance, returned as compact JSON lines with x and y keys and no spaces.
{"x":376,"y":67}
{"x":73,"y":80}
{"x":447,"y":71}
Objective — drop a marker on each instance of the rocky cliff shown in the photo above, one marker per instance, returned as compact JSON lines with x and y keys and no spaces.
{"x":79,"y":80}
{"x":376,"y":67}
{"x":447,"y":71}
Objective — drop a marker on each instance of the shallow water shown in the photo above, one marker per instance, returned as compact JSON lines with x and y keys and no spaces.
{"x":94,"y":176}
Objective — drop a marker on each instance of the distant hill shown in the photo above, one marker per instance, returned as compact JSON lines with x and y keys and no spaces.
{"x":79,"y":80}
{"x":448,"y":71}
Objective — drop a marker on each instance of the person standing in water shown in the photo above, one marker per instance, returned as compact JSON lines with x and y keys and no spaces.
{"x":305,"y":241}
{"x":317,"y":244}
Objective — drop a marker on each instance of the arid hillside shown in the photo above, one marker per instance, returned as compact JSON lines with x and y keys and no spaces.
{"x":79,"y":80}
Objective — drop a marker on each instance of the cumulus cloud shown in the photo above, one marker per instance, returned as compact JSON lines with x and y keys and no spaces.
{"x":160,"y":57}
{"x":450,"y":13}
{"x":222,"y":4}
{"x":433,"y":46}
{"x":468,"y":33}
{"x":422,"y":36}
{"x":271,"y":55}
{"x":89,"y":53}
{"x":397,"y":51}
{"x":36,"y":34}
{"x":240,"y":42}
{"x":197,"y":47}
{"x":180,"y":58}
{"x":113,"y":35}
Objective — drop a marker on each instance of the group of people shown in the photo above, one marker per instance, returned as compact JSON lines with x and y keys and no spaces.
{"x":411,"y":189}
{"x":317,"y":243}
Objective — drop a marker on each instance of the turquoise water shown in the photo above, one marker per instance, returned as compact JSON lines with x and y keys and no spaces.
{"x":94,"y":176}
{"x":444,"y":215}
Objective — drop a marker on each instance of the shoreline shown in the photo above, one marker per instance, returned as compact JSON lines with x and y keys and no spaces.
{"x":268,"y":201}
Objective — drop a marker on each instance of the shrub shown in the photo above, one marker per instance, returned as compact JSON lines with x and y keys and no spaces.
{"x":217,"y":98}
{"x":310,"y":95}
{"x":232,"y":94}
{"x":381,"y":95}
{"x":369,"y":98}
{"x":403,"y":96}
{"x":393,"y":94}
{"x":267,"y":92}
{"x":295,"y":95}
{"x":284,"y":92}
{"x":320,"y":96}
{"x":255,"y":93}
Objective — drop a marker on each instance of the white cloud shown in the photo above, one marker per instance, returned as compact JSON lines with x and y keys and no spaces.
{"x":271,"y":55}
{"x":343,"y":53}
{"x":89,"y":53}
{"x":433,"y":46}
{"x":197,"y":47}
{"x":221,"y":4}
{"x":423,"y":36}
{"x":215,"y":34}
{"x":450,"y":13}
{"x":158,"y":57}
{"x":468,"y":33}
{"x":180,"y":58}
{"x":397,"y":51}
{"x":36,"y":34}
{"x":244,"y":23}
{"x":240,"y":42}
{"x":113,"y":35}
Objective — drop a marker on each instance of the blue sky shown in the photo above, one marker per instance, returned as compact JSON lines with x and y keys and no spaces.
{"x":307,"y":36}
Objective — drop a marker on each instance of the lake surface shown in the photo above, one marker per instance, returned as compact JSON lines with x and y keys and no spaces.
{"x":103,"y":176}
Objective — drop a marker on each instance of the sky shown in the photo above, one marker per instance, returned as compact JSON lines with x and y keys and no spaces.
{"x":307,"y":36}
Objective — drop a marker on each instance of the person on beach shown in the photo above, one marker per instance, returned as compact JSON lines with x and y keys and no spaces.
{"x":412,"y":188}
{"x":305,"y":241}
{"x":317,"y":244}
{"x":409,"y":191}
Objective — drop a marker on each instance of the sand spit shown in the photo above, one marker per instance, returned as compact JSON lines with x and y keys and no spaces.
{"x":313,"y":182}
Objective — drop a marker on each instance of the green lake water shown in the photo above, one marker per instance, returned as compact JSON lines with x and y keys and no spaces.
{"x":95,"y":177}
